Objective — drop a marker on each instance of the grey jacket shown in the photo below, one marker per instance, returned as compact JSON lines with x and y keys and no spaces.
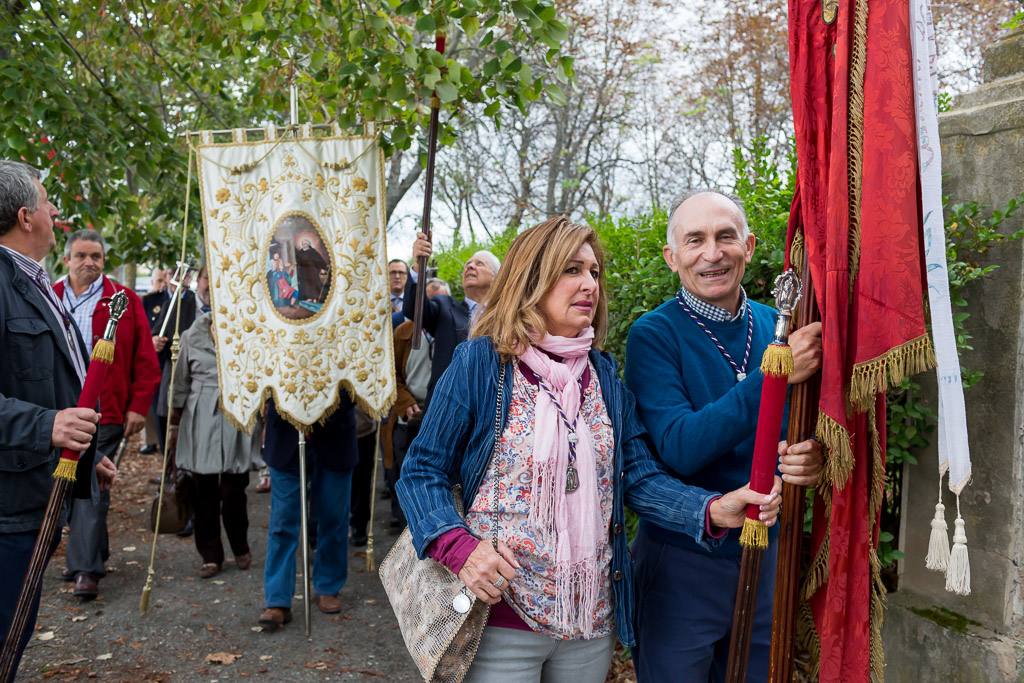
{"x":207,"y":442}
{"x":37,"y":379}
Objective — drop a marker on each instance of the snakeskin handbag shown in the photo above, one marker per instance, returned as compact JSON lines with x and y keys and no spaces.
{"x":441,"y":620}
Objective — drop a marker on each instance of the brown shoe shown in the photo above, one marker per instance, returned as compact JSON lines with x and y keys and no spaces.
{"x":328,"y":604}
{"x":273,"y":618}
{"x":243,"y":562}
{"x":86,"y":587}
{"x":264,"y":485}
{"x":208,"y":570}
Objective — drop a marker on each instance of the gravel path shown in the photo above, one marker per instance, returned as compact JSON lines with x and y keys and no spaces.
{"x":192,"y":623}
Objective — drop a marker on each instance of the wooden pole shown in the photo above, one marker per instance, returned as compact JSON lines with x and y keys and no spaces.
{"x":743,"y":614}
{"x":803,"y":416}
{"x":428,"y":197}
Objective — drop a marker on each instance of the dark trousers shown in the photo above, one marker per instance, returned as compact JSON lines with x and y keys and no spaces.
{"x":216,"y":497}
{"x":400,"y":440}
{"x":88,"y":544}
{"x":362,"y":482}
{"x":16,"y":551}
{"x":684,"y":606}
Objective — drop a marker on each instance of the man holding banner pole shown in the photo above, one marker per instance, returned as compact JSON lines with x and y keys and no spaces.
{"x":694,"y":365}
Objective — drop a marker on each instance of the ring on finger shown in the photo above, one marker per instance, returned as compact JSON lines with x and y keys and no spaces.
{"x":500,"y":582}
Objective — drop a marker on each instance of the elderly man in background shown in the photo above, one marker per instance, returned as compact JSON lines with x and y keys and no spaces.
{"x":694,"y":365}
{"x":131,"y":383}
{"x":445,"y":318}
{"x":42,"y":368}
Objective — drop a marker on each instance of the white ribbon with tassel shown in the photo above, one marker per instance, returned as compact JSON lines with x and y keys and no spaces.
{"x":954,"y":452}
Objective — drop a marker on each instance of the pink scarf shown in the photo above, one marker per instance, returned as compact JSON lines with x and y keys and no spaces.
{"x":571,"y":522}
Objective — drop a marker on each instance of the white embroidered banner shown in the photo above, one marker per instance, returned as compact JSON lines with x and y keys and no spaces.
{"x":954,"y":452}
{"x":295,"y":246}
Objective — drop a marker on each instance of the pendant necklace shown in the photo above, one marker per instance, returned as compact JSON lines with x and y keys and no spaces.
{"x":740,"y":370}
{"x":572,"y":475}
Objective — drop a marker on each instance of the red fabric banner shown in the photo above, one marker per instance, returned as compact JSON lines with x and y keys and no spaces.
{"x":857,"y":221}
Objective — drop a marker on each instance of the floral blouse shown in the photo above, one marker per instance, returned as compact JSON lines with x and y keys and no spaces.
{"x":507,"y":488}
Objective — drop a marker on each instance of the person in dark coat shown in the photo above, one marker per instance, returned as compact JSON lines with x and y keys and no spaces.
{"x":42,"y":368}
{"x":309,"y":263}
{"x":153,"y":303}
{"x":445,"y":318}
{"x":162,"y":344}
{"x":331,"y":455}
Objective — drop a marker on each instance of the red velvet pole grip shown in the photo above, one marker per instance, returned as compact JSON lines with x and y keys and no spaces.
{"x":766,"y":443}
{"x":94,"y":380}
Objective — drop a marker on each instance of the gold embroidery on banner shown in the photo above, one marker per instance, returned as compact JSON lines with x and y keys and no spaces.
{"x":301,"y":364}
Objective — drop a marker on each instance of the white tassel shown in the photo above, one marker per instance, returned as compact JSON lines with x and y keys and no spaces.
{"x":958,"y":574}
{"x":937,"y":558}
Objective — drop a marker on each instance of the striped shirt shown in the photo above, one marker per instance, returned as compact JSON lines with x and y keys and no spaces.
{"x":82,"y":307}
{"x":38,"y":277}
{"x":712,"y":312}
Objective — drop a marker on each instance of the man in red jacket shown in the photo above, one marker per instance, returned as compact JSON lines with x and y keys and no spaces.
{"x":132,"y":380}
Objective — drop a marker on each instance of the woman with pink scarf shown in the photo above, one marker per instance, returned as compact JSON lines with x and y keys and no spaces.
{"x":542,"y":539}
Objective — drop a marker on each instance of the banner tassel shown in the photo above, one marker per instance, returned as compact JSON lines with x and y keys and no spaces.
{"x":754,"y":534}
{"x":777,"y":360}
{"x":103,"y":351}
{"x":66,"y":469}
{"x":937,"y":558}
{"x":958,"y":574}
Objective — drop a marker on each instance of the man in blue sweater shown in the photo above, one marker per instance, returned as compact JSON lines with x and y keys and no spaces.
{"x":693,"y":364}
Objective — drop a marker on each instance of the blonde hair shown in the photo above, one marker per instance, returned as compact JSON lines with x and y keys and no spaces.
{"x":534,"y":263}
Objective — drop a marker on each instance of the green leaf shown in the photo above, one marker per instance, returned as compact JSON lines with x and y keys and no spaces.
{"x":446,"y":91}
{"x":470,"y":25}
{"x":426,"y":24}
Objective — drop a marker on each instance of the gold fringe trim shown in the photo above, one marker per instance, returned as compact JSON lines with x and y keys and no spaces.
{"x":807,"y":639}
{"x":817,"y":572}
{"x":877,"y":467}
{"x":66,"y":469}
{"x":754,"y":534}
{"x":839,"y":460}
{"x":877,"y":616}
{"x":103,"y":351}
{"x":888,"y":370}
{"x":777,"y":360}
{"x":855,"y":131}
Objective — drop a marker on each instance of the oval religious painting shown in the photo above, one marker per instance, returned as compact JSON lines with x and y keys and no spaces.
{"x":299,"y":273}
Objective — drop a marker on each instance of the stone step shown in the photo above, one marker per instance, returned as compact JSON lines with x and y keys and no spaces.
{"x":1005,"y":57}
{"x":986,"y":119}
{"x":999,"y":90}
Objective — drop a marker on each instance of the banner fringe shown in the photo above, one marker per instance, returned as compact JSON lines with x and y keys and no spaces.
{"x":65,"y":469}
{"x":754,"y":534}
{"x":777,"y":360}
{"x":103,"y":351}
{"x":887,"y":371}
{"x":839,"y":453}
{"x":855,"y":132}
{"x":817,"y":572}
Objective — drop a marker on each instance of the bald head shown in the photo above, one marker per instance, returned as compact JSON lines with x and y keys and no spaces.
{"x":691,"y":207}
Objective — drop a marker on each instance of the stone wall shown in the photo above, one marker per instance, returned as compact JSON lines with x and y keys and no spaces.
{"x":931,"y":634}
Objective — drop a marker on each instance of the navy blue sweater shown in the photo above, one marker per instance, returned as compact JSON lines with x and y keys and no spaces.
{"x":701,"y":420}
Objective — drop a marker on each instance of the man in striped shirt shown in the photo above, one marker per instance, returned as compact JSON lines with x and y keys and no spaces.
{"x":41,"y":372}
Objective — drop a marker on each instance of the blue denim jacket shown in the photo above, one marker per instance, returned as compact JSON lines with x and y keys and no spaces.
{"x":456,"y":440}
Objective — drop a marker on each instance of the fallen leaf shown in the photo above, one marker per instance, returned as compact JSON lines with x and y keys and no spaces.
{"x":103,"y":658}
{"x":218,"y":582}
{"x":256,"y":629}
{"x":266,"y":658}
{"x":222,"y":657}
{"x":80,"y":617}
{"x":129,"y":549}
{"x":319,"y":666}
{"x":46,"y":635}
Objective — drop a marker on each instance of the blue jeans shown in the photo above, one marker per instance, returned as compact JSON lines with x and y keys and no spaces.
{"x":16,"y":550}
{"x":330,"y":496}
{"x":684,"y":612}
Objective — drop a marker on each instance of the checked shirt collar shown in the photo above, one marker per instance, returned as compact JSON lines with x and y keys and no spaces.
{"x":712,"y":312}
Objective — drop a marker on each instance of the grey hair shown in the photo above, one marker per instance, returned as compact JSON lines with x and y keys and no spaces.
{"x":17,"y":190}
{"x":438,"y":282}
{"x":670,"y":234}
{"x":87,"y":235}
{"x":490,"y":258}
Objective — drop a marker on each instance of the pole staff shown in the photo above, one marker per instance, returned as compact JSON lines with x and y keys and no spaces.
{"x":428,"y":197}
{"x":803,"y":414}
{"x":776,"y":365}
